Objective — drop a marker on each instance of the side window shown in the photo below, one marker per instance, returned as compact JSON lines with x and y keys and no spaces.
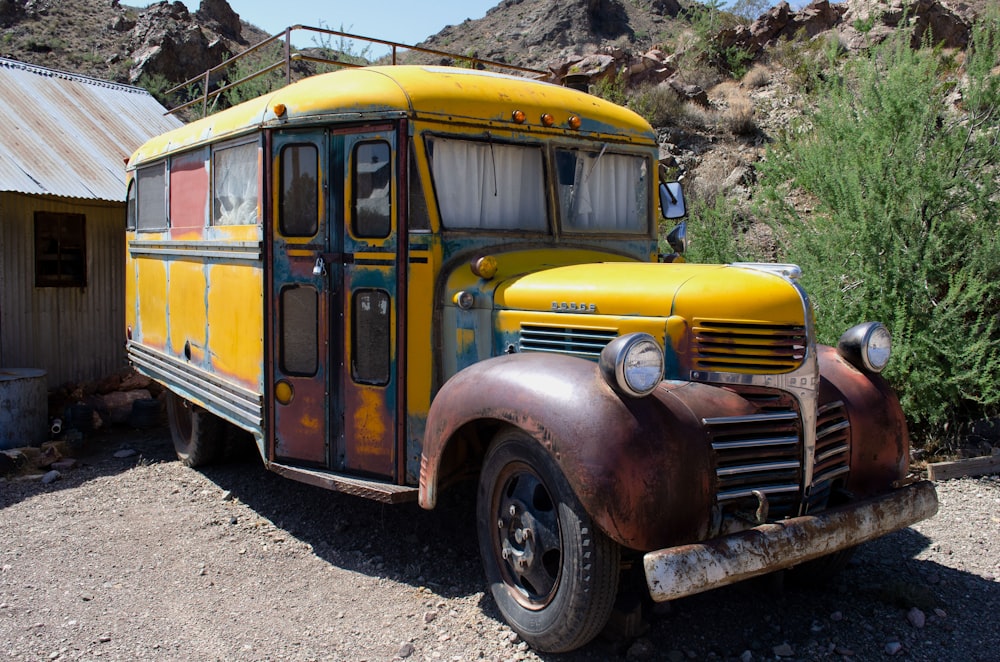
{"x":151,"y":183}
{"x":234,"y":185}
{"x":60,"y":250}
{"x":299,"y":190}
{"x":299,"y":330}
{"x":372,"y":179}
{"x":370,"y":351}
{"x":130,"y":207}
{"x":189,"y":189}
{"x":418,"y":219}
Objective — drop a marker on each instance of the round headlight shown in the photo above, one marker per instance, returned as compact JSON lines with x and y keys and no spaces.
{"x":866,"y":346}
{"x":633,"y":364}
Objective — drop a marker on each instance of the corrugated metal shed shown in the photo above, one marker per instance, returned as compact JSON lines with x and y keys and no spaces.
{"x":67,"y":135}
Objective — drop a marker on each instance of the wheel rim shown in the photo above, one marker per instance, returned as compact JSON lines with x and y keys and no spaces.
{"x":527,"y":540}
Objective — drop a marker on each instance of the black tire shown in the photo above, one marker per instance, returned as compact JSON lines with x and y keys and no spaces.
{"x":552,"y":573}
{"x":818,"y":572}
{"x":198,"y":435}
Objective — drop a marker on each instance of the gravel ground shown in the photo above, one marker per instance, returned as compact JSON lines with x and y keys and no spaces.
{"x":141,"y":558}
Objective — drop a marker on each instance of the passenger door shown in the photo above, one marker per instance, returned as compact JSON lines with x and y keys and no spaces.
{"x":371,"y":299}
{"x":305,"y":283}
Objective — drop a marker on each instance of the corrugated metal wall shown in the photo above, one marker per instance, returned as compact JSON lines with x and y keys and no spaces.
{"x":75,"y":334}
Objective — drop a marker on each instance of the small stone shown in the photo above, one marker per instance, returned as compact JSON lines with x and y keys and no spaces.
{"x":227,"y":495}
{"x":104,"y":638}
{"x":65,"y":464}
{"x":843,"y":651}
{"x":893,"y":647}
{"x":916,"y":618}
{"x":837,"y":616}
{"x":429,"y":616}
{"x":125,"y":452}
{"x":747,"y":656}
{"x":642,"y":649}
{"x":405,"y":650}
{"x":784,"y":650}
{"x":51,"y":477}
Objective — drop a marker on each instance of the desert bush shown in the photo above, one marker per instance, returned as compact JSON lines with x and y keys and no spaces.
{"x":738,"y":118}
{"x":721,"y":232}
{"x":659,"y":104}
{"x":906,"y":228}
{"x":611,"y":88}
{"x":809,"y":61}
{"x":757,"y":77}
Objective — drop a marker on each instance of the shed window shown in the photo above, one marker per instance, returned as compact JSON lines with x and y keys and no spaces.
{"x":60,"y":250}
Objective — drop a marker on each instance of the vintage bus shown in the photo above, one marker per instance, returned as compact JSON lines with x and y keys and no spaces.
{"x":400,"y":277}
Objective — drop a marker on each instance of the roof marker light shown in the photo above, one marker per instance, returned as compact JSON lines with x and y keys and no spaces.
{"x":547,"y":119}
{"x":279,"y":109}
{"x":517,"y":116}
{"x":574,"y":122}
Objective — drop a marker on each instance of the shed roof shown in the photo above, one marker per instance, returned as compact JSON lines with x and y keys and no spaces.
{"x":67,"y":135}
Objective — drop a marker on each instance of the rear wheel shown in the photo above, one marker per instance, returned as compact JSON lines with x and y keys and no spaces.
{"x":553,"y":574}
{"x":198,"y":435}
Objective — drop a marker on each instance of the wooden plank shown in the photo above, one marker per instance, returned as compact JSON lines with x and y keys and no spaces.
{"x":976,"y":466}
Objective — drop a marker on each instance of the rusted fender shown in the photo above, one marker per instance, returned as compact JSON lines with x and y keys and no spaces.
{"x":689,"y":569}
{"x":640,"y":467}
{"x":880,"y":441}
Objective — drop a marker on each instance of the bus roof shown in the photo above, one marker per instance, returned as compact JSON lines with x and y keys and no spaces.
{"x":420,"y":92}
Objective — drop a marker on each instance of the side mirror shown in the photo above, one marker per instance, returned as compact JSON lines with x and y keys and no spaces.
{"x":678,"y":238}
{"x":672,"y":200}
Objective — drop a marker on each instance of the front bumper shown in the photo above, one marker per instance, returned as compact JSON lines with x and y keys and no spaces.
{"x":677,"y":572}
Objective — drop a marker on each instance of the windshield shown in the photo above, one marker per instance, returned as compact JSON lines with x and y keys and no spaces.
{"x":488,"y":185}
{"x":603,"y":192}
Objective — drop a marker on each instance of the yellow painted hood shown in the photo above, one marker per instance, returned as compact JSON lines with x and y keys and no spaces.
{"x":717,"y":292}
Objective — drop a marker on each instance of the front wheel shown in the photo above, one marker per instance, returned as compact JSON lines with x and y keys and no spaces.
{"x":553,"y":574}
{"x":197,"y":433}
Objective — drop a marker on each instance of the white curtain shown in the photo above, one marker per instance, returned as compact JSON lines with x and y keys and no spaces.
{"x":486,"y":186}
{"x":608,"y":194}
{"x":235,"y":192}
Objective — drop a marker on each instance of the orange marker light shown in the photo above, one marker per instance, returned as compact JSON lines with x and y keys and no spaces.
{"x":283,"y":392}
{"x":574,"y":122}
{"x":517,"y":116}
{"x":548,"y":120}
{"x":279,"y":109}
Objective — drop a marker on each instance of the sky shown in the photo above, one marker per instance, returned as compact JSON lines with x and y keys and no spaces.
{"x":404,"y":21}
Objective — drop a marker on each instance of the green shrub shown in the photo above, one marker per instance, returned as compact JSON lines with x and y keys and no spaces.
{"x":659,"y":104}
{"x":906,"y":228}
{"x":719,"y":233}
{"x":611,"y":88}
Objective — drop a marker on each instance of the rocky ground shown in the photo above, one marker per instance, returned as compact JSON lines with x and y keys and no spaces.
{"x":132,"y":556}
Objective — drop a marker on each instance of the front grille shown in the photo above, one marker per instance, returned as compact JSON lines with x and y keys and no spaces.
{"x":747,"y":347}
{"x":833,"y":452}
{"x":758,"y":452}
{"x":586,"y":343}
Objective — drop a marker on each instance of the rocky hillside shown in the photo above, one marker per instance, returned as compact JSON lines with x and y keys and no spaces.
{"x":105,"y":39}
{"x":718,"y":86}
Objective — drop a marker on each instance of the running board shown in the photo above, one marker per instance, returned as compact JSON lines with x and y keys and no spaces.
{"x":376,"y":490}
